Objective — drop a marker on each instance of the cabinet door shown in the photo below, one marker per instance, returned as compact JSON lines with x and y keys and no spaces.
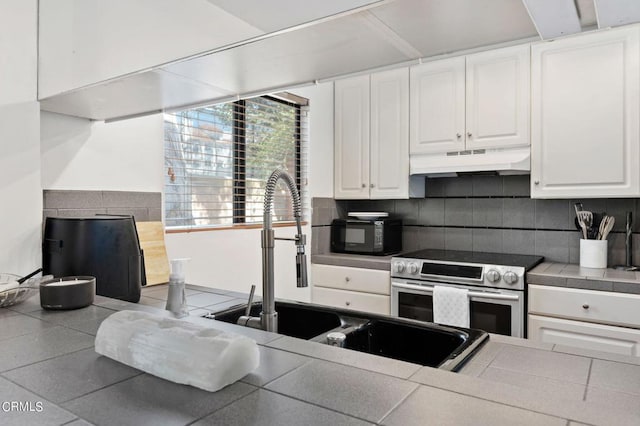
{"x":597,"y":337}
{"x":437,"y":106}
{"x":364,"y":302}
{"x":353,"y":279}
{"x":389,"y":148}
{"x":585,"y":116}
{"x":351,"y":155}
{"x":498,"y":98}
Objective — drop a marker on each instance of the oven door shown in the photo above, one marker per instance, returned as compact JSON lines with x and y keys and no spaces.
{"x":493,"y":310}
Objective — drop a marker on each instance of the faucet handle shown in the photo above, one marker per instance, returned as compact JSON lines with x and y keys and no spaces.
{"x":247,"y":311}
{"x":301,"y":270}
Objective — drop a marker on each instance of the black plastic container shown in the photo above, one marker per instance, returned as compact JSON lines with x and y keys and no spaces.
{"x":105,"y":247}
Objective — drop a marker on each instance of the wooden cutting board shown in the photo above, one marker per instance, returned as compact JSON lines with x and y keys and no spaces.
{"x":156,"y":262}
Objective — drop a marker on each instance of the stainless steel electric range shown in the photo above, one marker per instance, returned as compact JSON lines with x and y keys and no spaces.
{"x":495,"y":282}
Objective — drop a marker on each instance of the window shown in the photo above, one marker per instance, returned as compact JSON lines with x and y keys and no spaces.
{"x":218,"y":159}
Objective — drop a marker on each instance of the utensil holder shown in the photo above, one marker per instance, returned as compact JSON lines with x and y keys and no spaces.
{"x":593,"y":253}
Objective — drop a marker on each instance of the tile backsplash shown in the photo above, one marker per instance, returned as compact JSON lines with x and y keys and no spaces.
{"x":144,"y":206}
{"x":487,"y":213}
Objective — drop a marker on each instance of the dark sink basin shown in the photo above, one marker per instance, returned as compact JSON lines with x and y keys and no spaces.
{"x":295,"y":320}
{"x":406,"y":342}
{"x":398,"y":338}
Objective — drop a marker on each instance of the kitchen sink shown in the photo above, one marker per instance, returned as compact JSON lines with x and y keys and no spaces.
{"x":403,"y":339}
{"x":406,"y":342}
{"x":295,"y":320}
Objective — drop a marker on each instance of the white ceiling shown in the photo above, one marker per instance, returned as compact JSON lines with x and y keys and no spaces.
{"x":364,"y":35}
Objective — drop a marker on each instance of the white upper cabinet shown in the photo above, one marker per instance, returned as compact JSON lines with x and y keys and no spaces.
{"x":389,"y":148}
{"x":372,"y":136}
{"x":437,"y":106}
{"x":498,"y":98}
{"x":474,"y":102}
{"x":351,"y":146}
{"x":585,"y":122}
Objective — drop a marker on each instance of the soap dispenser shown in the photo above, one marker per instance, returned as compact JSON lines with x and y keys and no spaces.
{"x":177,"y":299}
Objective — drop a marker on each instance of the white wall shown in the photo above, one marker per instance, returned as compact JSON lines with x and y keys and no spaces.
{"x":20,"y":190}
{"x":119,"y":156}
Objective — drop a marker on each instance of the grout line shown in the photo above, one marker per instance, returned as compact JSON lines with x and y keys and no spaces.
{"x":295,"y":398}
{"x":42,"y":360}
{"x":392,"y":409}
{"x":140,"y":373}
{"x":333,"y":361}
{"x":225,"y":405}
{"x":586,"y":387}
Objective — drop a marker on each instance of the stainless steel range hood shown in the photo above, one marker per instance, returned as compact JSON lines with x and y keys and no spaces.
{"x":499,"y":161}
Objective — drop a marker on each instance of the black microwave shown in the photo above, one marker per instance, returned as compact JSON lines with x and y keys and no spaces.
{"x":376,"y":237}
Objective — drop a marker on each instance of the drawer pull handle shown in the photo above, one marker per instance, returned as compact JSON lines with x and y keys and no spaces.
{"x":347,"y":303}
{"x":585,"y":306}
{"x":347,"y":279}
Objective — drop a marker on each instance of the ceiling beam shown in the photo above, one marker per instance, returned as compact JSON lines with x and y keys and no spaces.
{"x":553,"y":18}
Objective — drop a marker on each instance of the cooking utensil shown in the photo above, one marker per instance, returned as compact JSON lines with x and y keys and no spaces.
{"x":628,"y":240}
{"x":585,"y":218}
{"x":606,"y":226}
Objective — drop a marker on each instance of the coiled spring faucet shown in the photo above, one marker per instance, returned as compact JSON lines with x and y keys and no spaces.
{"x":268,"y":319}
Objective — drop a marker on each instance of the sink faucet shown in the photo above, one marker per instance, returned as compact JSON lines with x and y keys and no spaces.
{"x":268,"y":319}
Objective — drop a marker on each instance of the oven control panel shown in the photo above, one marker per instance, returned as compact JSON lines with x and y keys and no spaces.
{"x":498,"y":276}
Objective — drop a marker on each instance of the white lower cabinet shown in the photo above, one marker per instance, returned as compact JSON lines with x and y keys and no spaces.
{"x":595,"y":320}
{"x":360,"y":289}
{"x":584,"y":335}
{"x":366,"y":302}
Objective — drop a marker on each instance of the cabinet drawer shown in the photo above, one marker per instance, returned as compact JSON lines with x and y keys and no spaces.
{"x":597,"y":337}
{"x":365,"y":302}
{"x":585,"y":305}
{"x":354,"y":279}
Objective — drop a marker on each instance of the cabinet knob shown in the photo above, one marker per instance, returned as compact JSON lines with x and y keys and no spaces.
{"x":347,"y":303}
{"x":458,"y":135}
{"x":371,"y":186}
{"x":585,"y":306}
{"x":537,"y":182}
{"x":364,"y":186}
{"x":347,"y":279}
{"x":469,"y":134}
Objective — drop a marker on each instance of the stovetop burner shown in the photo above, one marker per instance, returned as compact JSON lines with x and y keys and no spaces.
{"x":524,"y":261}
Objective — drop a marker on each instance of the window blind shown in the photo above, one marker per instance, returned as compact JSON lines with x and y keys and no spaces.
{"x":218,"y":159}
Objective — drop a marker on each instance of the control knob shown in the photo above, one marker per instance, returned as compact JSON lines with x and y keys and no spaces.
{"x":398,"y":267}
{"x":413,"y":268}
{"x":493,"y":275}
{"x":510,"y":277}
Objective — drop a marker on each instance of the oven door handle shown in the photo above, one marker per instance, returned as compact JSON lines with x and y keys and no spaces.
{"x":494,"y":296}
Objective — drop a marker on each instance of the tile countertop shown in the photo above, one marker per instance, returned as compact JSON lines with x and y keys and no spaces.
{"x":571,"y":275}
{"x":47,"y":357}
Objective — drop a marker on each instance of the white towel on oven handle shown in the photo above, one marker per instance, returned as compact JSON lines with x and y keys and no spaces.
{"x":451,"y":306}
